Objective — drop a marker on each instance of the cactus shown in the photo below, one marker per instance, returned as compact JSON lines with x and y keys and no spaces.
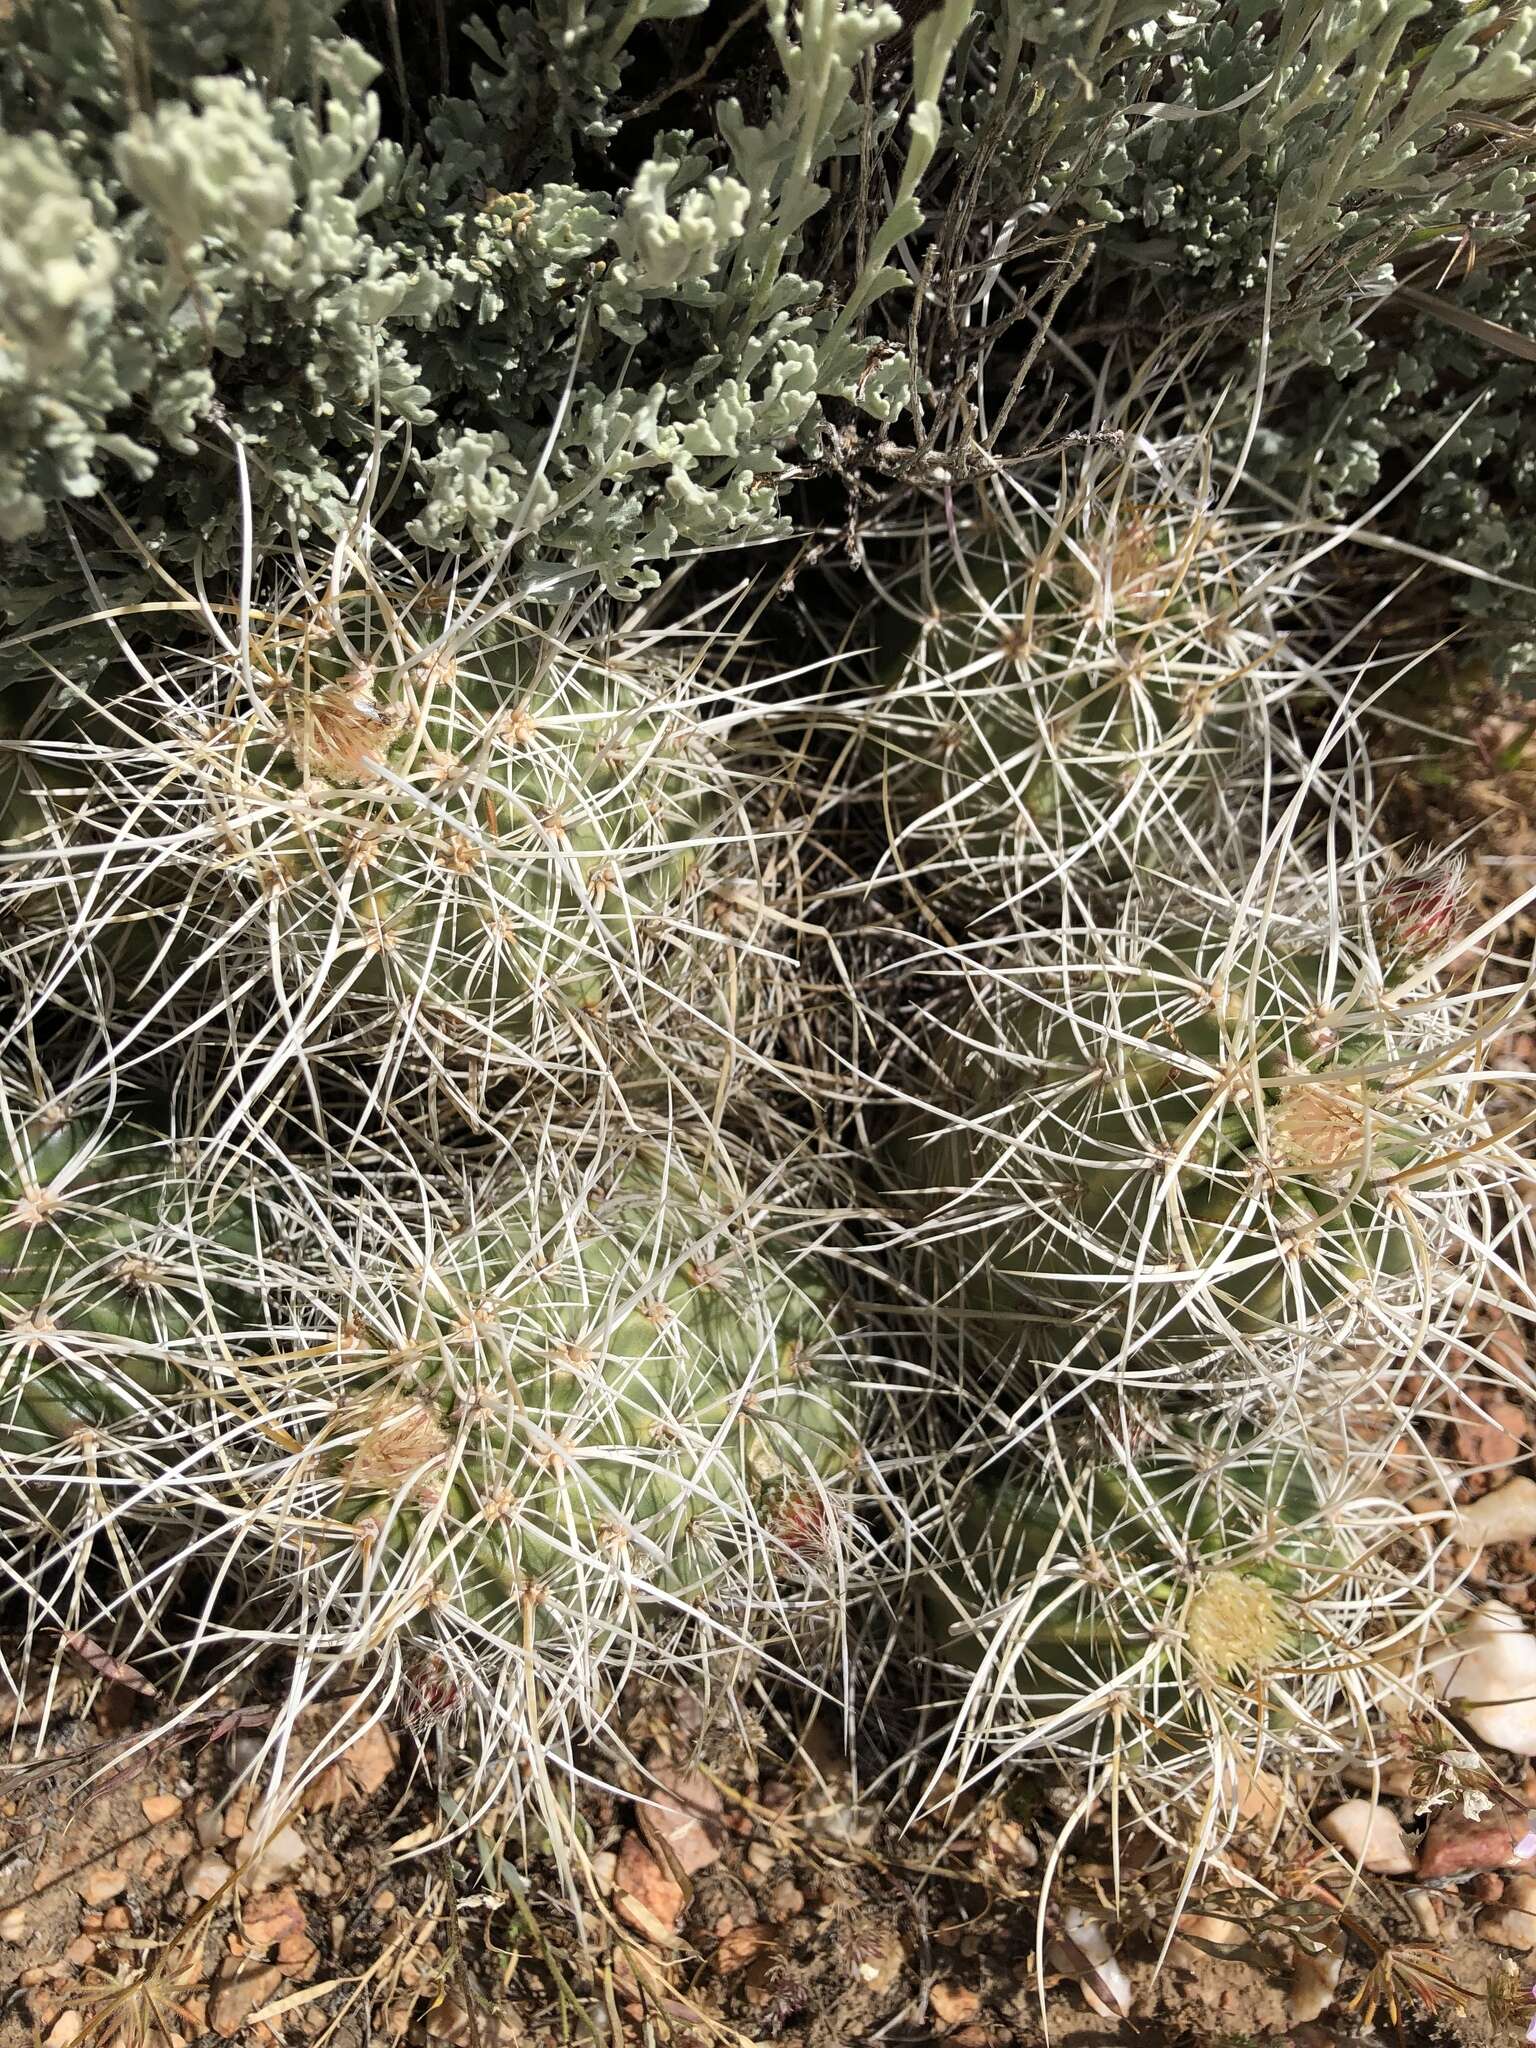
{"x":1211,"y":1130}
{"x":75,"y":919}
{"x":1163,"y":1599}
{"x":498,"y":1446}
{"x":583,"y":1421}
{"x":1075,"y":679}
{"x":419,"y":827}
{"x":120,"y":1272}
{"x":479,"y":836}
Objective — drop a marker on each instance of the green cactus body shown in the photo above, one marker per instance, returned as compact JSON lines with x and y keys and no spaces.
{"x":1195,"y":1137}
{"x":108,"y":1291}
{"x":1166,"y":1527}
{"x":1065,"y":701}
{"x":1158,"y":1595}
{"x":559,"y":1415}
{"x":34,"y":816}
{"x":68,"y":899}
{"x":474,"y":840}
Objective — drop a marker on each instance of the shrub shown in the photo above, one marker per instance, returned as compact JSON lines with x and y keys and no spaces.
{"x":204,"y":235}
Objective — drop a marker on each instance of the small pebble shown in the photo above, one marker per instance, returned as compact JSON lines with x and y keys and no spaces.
{"x":1261,"y":1797}
{"x":1493,"y":1432}
{"x":271,"y":1917}
{"x":645,"y":1897}
{"x":205,"y":1876}
{"x":1092,"y":1960}
{"x":1369,"y":1836}
{"x":267,"y":1861}
{"x":238,"y":1991}
{"x":1314,"y":1979}
{"x":953,"y":2005}
{"x":97,"y":1886}
{"x":1512,"y":1923}
{"x":1507,"y":1515}
{"x":785,"y":1900}
{"x":1454,"y":1846}
{"x":739,"y":1947}
{"x":1392,"y":1780}
{"x":160,"y":1806}
{"x":1486,"y":1676}
{"x":678,"y":1814}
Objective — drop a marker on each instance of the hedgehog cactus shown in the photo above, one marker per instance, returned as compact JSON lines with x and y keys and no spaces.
{"x":84,"y":899}
{"x":37,"y":820}
{"x":1074,"y":682}
{"x":585,"y":1416}
{"x":475,"y":833}
{"x":407,"y":822}
{"x":1202,"y":1133}
{"x":120,"y":1276}
{"x":1161,"y":1600}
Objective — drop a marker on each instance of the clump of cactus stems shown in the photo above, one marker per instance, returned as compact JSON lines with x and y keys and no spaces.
{"x":473,"y":1449}
{"x":127,"y":1275}
{"x":1163,"y":1603}
{"x":599,"y":1416}
{"x":397,"y":818}
{"x":1083,"y":664}
{"x":1215,"y":1133}
{"x":581,"y":1392}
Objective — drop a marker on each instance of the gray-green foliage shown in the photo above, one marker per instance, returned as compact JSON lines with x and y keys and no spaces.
{"x":1206,"y":143}
{"x":1038,"y":111}
{"x":203,"y":233}
{"x":1327,"y":141}
{"x":1419,"y":393}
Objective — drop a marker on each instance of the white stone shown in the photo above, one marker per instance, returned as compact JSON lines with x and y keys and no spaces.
{"x":1508,"y":1926}
{"x":266,"y":1859}
{"x":1314,"y":1980}
{"x":1103,"y":1975}
{"x":1507,"y":1515}
{"x":205,"y":1876}
{"x":1486,"y":1674}
{"x":1370,"y":1837}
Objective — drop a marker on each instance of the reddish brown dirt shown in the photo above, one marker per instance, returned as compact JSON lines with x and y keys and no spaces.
{"x":739,"y":1896}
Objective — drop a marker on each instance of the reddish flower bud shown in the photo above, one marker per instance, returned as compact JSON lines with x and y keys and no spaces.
{"x":1419,"y":910}
{"x":431,"y":1694}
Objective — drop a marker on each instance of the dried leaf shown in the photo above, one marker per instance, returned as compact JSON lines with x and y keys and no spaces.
{"x":106,"y":1665}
